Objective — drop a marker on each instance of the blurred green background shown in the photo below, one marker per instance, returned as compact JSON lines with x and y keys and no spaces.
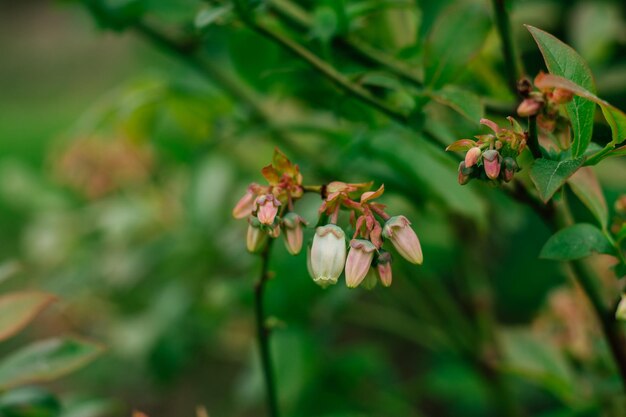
{"x":120,"y":164}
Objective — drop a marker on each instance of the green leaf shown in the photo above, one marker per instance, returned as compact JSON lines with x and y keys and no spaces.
{"x":533,"y":359}
{"x":562,"y":60}
{"x":464,"y":102}
{"x":29,"y":402}
{"x":45,"y":361}
{"x":575,"y":242}
{"x":20,"y":308}
{"x":210,"y":15}
{"x":454,"y":40}
{"x":586,"y":186}
{"x":548,"y":175}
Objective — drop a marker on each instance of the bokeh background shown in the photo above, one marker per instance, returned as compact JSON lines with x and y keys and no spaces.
{"x":120,"y":164}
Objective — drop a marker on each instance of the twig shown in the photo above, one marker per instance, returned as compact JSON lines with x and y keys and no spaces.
{"x":263,"y":332}
{"x":512,"y":63}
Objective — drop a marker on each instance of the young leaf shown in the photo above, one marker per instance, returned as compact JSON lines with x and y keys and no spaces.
{"x":45,"y":360}
{"x":454,"y":40}
{"x":548,"y":175}
{"x":575,"y":242}
{"x":19,"y":308}
{"x":562,"y":60}
{"x":464,"y":102}
{"x":585,"y":185}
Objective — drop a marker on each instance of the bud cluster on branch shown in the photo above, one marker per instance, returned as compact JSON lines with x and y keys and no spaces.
{"x":492,"y":157}
{"x":270,"y":212}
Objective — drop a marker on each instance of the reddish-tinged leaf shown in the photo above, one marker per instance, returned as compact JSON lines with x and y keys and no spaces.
{"x":271,"y":175}
{"x":614,"y":116}
{"x":461,"y":145}
{"x":20,"y":308}
{"x":371,"y":195}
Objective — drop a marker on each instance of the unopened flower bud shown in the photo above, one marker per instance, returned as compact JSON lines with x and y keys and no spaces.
{"x":472,"y":156}
{"x":491,"y":162}
{"x":620,"y":313}
{"x":561,"y":96}
{"x":267,"y":208}
{"x":370,"y":280}
{"x":245,"y":205}
{"x":524,"y":87}
{"x":383,"y":268}
{"x":328,"y":254}
{"x":256,"y":237}
{"x":398,"y":230}
{"x":510,"y":168}
{"x":464,"y":173}
{"x":359,"y":261}
{"x":293,"y":232}
{"x":528,"y":107}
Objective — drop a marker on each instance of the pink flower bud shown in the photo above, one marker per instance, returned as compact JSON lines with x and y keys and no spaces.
{"x":267,"y":208}
{"x":491,"y":162}
{"x":472,"y":156}
{"x":359,"y":261}
{"x":256,"y":237}
{"x":464,"y":173}
{"x":370,"y":280}
{"x":328,"y":254}
{"x":399,"y":232}
{"x":383,"y":268}
{"x":510,"y":168}
{"x":528,"y":107}
{"x":244,"y":206}
{"x":293,"y":232}
{"x":561,"y":96}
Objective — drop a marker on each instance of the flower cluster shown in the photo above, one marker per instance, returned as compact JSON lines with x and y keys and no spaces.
{"x":270,"y":210}
{"x":491,"y":157}
{"x":544,"y":103}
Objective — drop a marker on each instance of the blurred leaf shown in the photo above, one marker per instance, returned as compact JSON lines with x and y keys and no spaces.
{"x":586,"y":186}
{"x":29,"y":402}
{"x":45,"y":361}
{"x":454,"y":40}
{"x":466,"y":103}
{"x":562,"y":60}
{"x":594,"y":28}
{"x":575,"y":242}
{"x":325,"y":23}
{"x":210,"y":15}
{"x":548,"y":175}
{"x":538,"y":361}
{"x":20,"y":308}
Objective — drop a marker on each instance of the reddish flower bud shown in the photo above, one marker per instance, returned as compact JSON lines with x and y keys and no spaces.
{"x":244,"y":206}
{"x":293,"y":232}
{"x":359,"y":261}
{"x":491,"y":162}
{"x":328,"y":254}
{"x":383,"y":268}
{"x":472,"y":156}
{"x":464,"y":173}
{"x":256,"y":237}
{"x":510,"y":168}
{"x":399,"y":232}
{"x":561,"y":96}
{"x":528,"y":107}
{"x":267,"y":208}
